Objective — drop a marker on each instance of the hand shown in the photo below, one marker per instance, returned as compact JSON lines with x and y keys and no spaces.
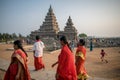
{"x":17,"y":77}
{"x":57,"y":76}
{"x":53,"y":65}
{"x":27,"y":60}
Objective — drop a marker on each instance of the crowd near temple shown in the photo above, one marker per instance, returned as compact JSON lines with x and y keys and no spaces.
{"x":50,"y":33}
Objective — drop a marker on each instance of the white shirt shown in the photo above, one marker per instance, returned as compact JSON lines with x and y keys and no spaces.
{"x":38,"y":48}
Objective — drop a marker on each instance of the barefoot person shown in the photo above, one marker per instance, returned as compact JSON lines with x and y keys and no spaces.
{"x":38,"y":53}
{"x":103,"y":56}
{"x":18,"y":69}
{"x":66,"y":63}
{"x":80,"y":60}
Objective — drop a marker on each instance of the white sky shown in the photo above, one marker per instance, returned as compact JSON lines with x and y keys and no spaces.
{"x":99,"y":18}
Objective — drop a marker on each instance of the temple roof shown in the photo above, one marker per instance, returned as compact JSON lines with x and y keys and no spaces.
{"x":69,"y":21}
{"x":50,"y":24}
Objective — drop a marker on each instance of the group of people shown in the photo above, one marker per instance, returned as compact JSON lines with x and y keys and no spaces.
{"x":69,"y":67}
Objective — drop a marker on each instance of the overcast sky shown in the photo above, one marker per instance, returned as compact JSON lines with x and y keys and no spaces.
{"x":99,"y":18}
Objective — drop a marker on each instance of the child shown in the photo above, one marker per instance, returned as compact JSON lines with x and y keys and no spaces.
{"x":102,"y":56}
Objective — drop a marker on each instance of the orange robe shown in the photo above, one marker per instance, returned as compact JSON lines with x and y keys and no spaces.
{"x":18,"y":56}
{"x":38,"y":63}
{"x":66,"y":65}
{"x":80,"y":60}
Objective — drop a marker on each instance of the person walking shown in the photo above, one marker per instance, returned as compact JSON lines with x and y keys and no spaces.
{"x":80,"y":57}
{"x":38,"y":53}
{"x":18,"y":69}
{"x":66,"y":62}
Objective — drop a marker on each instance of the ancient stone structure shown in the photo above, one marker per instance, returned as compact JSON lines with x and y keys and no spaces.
{"x":69,"y":31}
{"x":49,"y":28}
{"x":49,"y":31}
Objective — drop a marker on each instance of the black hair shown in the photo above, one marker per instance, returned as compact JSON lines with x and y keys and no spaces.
{"x":82,"y":42}
{"x":64,"y":39}
{"x":102,"y":50}
{"x":37,"y":37}
{"x":19,"y":44}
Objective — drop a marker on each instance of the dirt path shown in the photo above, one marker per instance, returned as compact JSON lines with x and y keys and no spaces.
{"x":94,"y":66}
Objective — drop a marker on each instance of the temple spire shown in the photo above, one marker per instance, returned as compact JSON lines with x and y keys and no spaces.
{"x":50,"y":9}
{"x":49,"y":28}
{"x":69,"y":21}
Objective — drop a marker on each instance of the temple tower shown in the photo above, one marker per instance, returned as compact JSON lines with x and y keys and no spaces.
{"x":69,"y":31}
{"x":49,"y":31}
{"x":49,"y":28}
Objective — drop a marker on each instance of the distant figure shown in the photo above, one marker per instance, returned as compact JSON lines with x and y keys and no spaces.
{"x":103,"y":56}
{"x":38,"y":53}
{"x":28,"y":41}
{"x":54,"y":45}
{"x":18,"y":69}
{"x":80,"y":60}
{"x":72,"y":45}
{"x":66,"y":62}
{"x":91,"y":45}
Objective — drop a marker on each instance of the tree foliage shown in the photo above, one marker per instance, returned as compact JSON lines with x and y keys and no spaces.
{"x":83,"y":35}
{"x":4,"y":37}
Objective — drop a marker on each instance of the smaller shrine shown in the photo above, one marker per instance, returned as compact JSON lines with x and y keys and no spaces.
{"x":69,"y":31}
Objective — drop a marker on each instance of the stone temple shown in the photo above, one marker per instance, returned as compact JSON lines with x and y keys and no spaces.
{"x":50,"y":29}
{"x":69,"y":31}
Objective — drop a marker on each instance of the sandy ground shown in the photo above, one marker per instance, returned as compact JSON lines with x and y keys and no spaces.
{"x":94,"y":66}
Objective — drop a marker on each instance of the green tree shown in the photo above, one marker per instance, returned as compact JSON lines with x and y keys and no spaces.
{"x":83,"y":35}
{"x":14,"y":36}
{"x":0,"y":37}
{"x":21,"y":36}
{"x":4,"y":36}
